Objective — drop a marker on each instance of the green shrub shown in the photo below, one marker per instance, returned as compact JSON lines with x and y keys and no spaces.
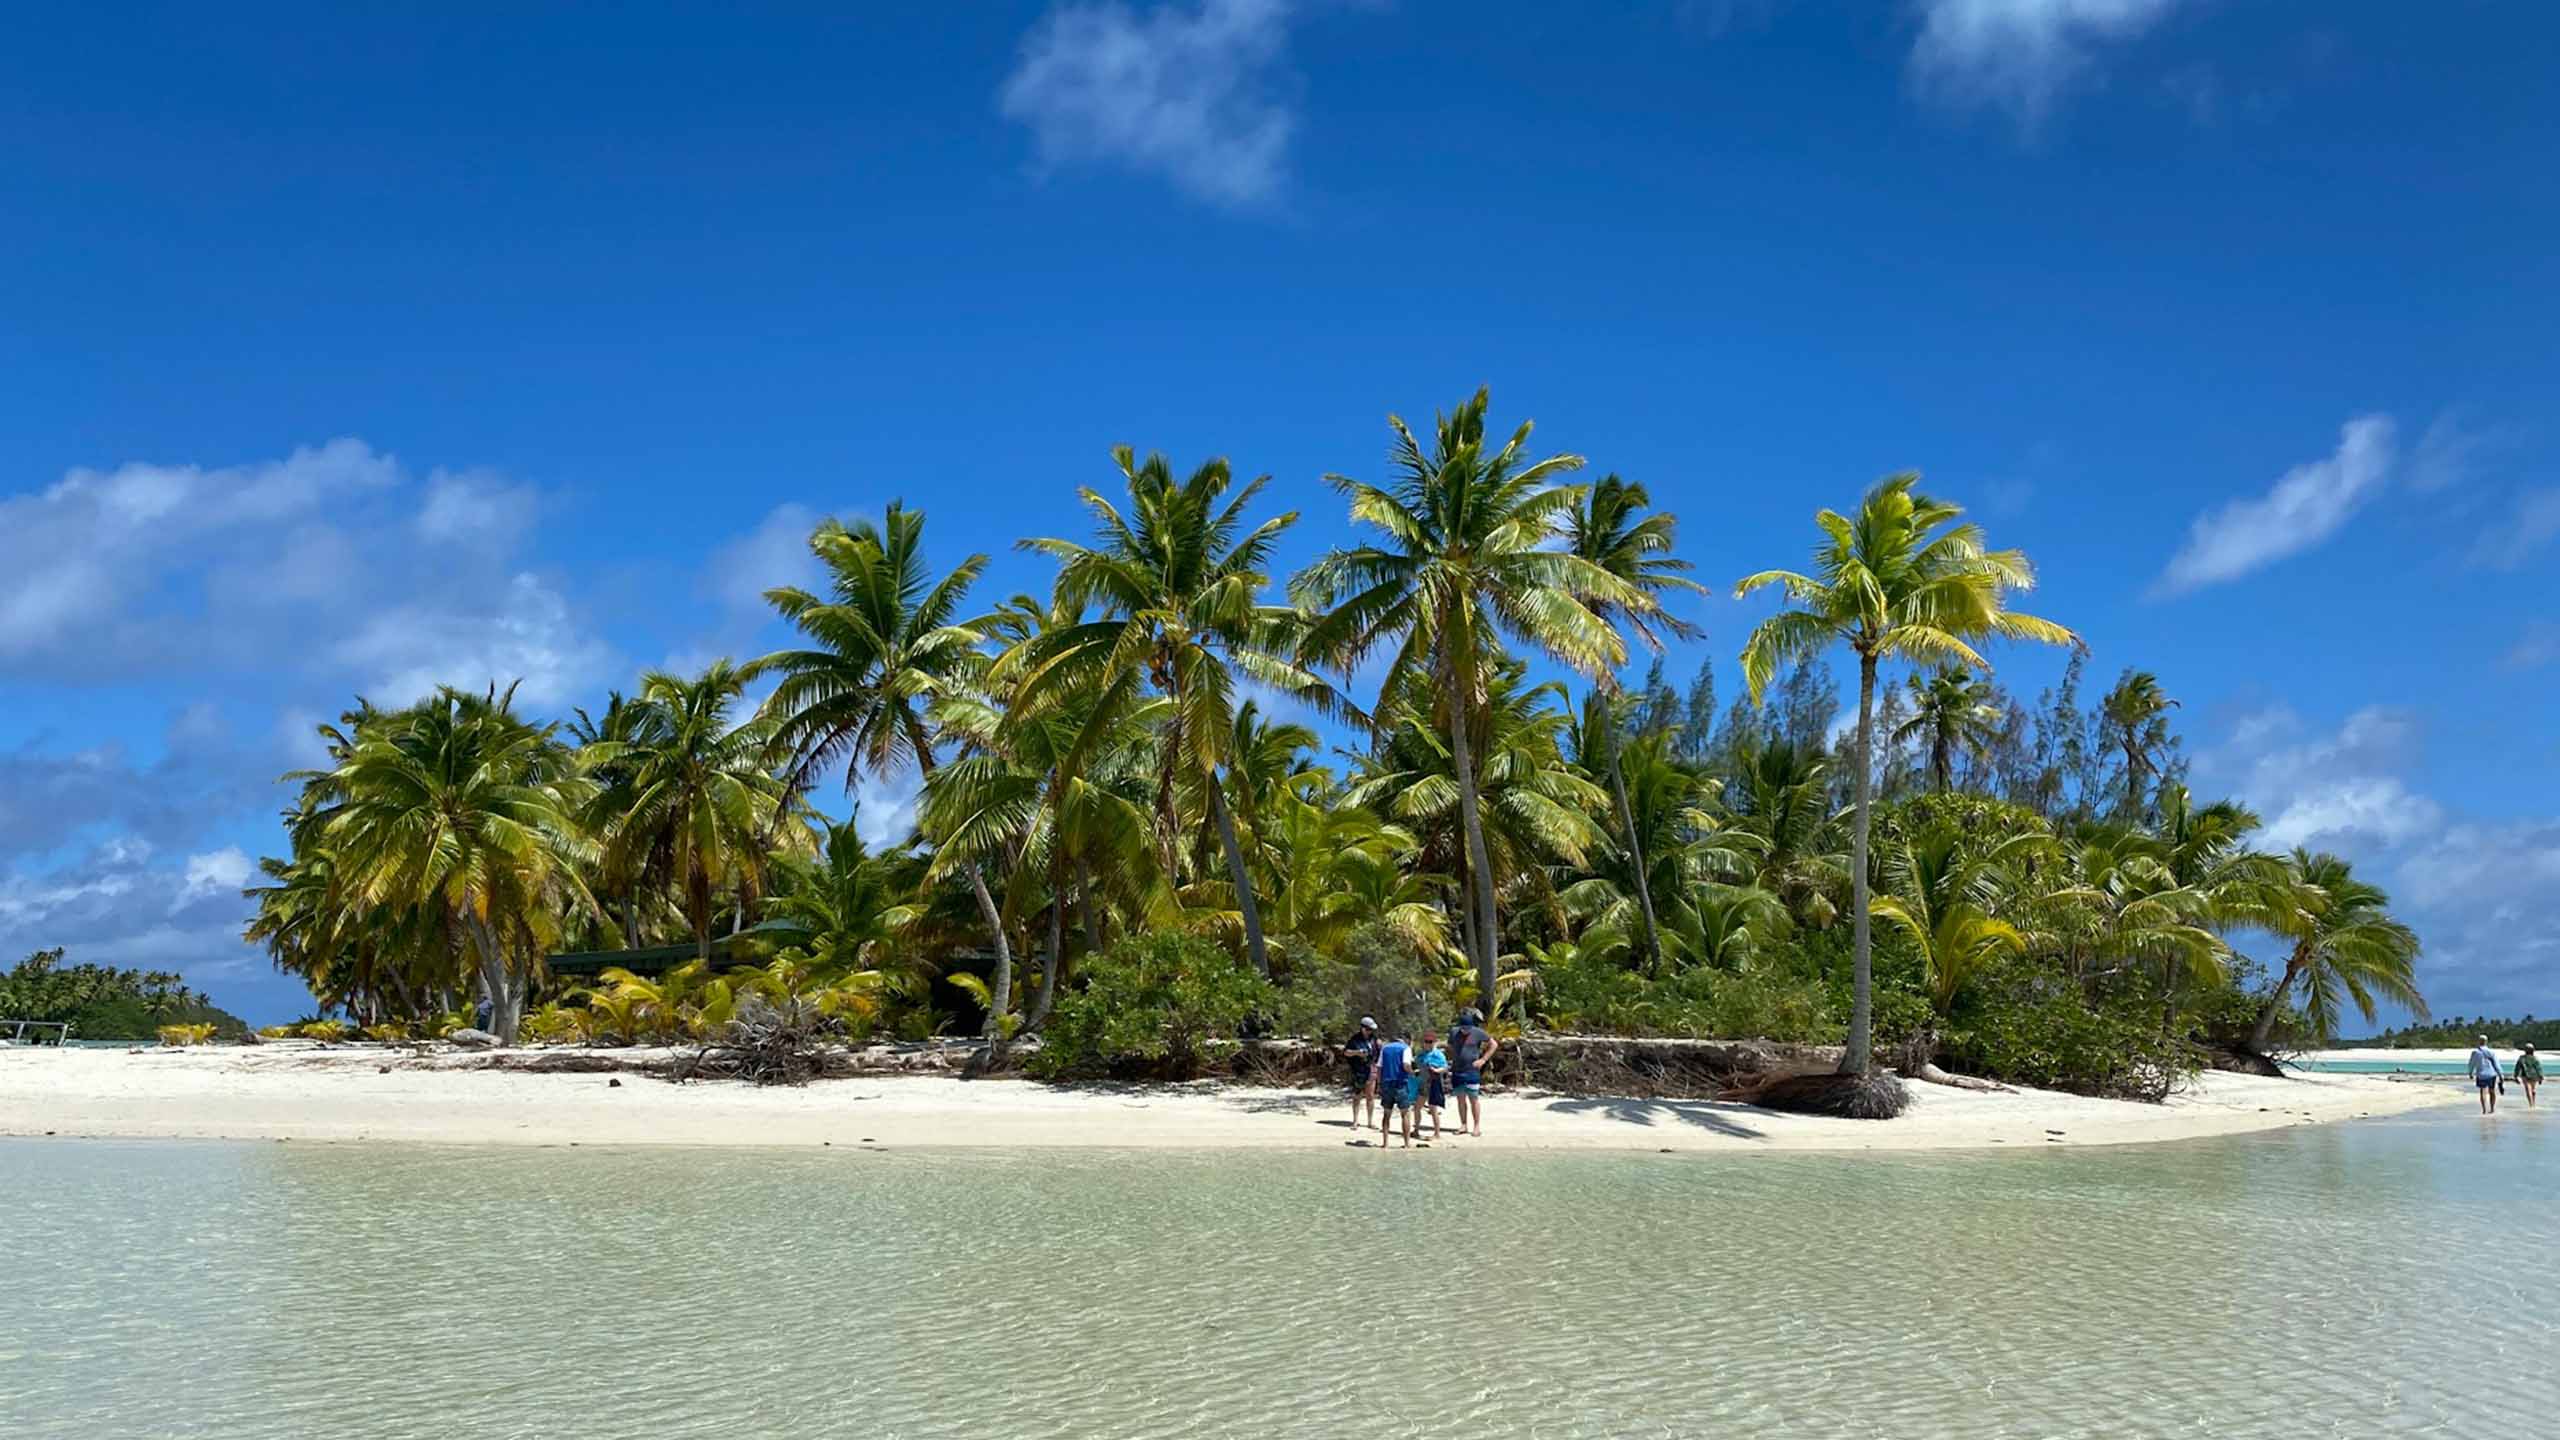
{"x":1604,"y":996}
{"x":1378,"y":973}
{"x":1156,"y":1006}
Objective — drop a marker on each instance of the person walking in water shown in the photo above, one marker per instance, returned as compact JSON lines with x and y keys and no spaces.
{"x":1471,"y":1048}
{"x":1359,"y":1058}
{"x":1392,"y":1077}
{"x":2486,"y":1075}
{"x":2529,"y":1073}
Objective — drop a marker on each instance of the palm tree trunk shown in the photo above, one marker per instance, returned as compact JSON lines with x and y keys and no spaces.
{"x":1048,"y":994}
{"x":1942,"y":765}
{"x":1236,"y":872}
{"x":1635,"y":857}
{"x":1862,"y":1000}
{"x":1000,"y":984}
{"x":1084,"y":908}
{"x":506,"y":1002}
{"x":1485,"y":942}
{"x":2266,"y":1026}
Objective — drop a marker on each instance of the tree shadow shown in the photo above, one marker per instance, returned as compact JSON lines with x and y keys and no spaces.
{"x":1299,"y":1103}
{"x":1716,"y":1115}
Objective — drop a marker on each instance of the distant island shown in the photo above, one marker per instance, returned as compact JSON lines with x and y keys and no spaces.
{"x":2459,"y":1033}
{"x":100,"y":1002}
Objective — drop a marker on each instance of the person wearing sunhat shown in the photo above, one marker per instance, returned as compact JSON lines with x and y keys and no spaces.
{"x":1359,"y":1054}
{"x":2529,"y":1072}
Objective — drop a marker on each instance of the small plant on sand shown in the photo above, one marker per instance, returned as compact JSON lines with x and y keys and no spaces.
{"x":184,"y":1035}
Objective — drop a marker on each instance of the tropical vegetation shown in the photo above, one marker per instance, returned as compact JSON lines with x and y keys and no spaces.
{"x":1180,"y":797}
{"x":102,"y":1002}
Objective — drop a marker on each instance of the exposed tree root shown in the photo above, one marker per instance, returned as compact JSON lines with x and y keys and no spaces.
{"x":1876,"y":1095}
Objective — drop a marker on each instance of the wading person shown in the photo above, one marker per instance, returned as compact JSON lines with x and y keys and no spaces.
{"x":2485,"y":1074}
{"x":2529,"y":1073}
{"x":1359,"y":1059}
{"x":1393,"y":1078}
{"x":1471,"y":1048}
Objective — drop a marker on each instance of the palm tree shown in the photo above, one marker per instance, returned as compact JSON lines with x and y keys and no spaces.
{"x":1784,"y":795}
{"x":691,"y":798}
{"x":2345,"y":944}
{"x":1178,"y":581}
{"x":1903,"y":580}
{"x":1605,"y":529}
{"x":2134,"y":710}
{"x":885,"y":647}
{"x":1952,"y":710}
{"x":2203,"y":857}
{"x":463,"y":810}
{"x":1536,"y":810}
{"x":1465,"y":558}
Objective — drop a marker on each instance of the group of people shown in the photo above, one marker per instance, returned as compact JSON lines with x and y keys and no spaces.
{"x":1399,"y":1080}
{"x":2492,"y":1081}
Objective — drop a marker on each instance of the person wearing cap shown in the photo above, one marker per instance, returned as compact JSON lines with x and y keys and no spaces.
{"x":2486,"y":1075}
{"x":1392,"y":1079}
{"x":2529,"y":1072}
{"x":1471,"y":1047}
{"x":1359,"y":1058}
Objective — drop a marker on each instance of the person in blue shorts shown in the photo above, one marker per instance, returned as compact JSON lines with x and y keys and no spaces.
{"x":1359,"y":1058}
{"x":1394,"y":1079}
{"x":2486,"y":1075}
{"x":1471,"y":1047}
{"x":1435,"y":1078}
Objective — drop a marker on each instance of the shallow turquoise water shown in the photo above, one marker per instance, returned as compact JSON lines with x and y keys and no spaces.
{"x":2387,"y":1067}
{"x":2385,"y":1277}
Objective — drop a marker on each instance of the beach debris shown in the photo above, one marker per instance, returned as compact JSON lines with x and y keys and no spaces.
{"x":381,"y":1069}
{"x":473,"y":1039}
{"x":613,"y":1083}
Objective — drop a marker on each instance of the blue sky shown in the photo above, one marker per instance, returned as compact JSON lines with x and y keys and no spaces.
{"x":352,"y":349}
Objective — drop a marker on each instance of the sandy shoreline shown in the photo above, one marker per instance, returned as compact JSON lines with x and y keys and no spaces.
{"x":345,"y":1094}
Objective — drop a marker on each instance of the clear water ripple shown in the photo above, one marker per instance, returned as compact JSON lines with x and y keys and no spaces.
{"x":2392,"y":1277}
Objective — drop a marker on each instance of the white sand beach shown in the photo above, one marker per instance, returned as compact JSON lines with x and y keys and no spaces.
{"x":353,"y":1093}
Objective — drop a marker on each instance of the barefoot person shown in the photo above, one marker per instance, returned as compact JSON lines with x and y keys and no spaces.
{"x":1471,"y":1048}
{"x":1360,"y":1058}
{"x":2485,"y":1074}
{"x":1435,"y":1078}
{"x":1392,"y":1077}
{"x":2529,"y":1073}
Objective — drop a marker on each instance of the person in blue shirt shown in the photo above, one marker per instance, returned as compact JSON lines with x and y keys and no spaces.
{"x":2486,"y":1075}
{"x":1435,"y":1078}
{"x":1394,"y":1079}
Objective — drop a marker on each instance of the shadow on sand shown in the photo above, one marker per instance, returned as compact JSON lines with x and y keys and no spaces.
{"x":1722,"y":1118}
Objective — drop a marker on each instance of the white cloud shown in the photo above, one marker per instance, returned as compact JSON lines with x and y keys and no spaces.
{"x":885,"y":810}
{"x":2453,"y":450}
{"x":216,"y":872}
{"x":2310,"y":503}
{"x":772,"y":555}
{"x":474,"y":507}
{"x":70,"y":554}
{"x":2378,"y":808}
{"x":2019,"y":54}
{"x":2537,"y":646}
{"x":1193,"y":93}
{"x":2529,"y":526}
{"x":523,"y":635}
{"x":2324,"y":791}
